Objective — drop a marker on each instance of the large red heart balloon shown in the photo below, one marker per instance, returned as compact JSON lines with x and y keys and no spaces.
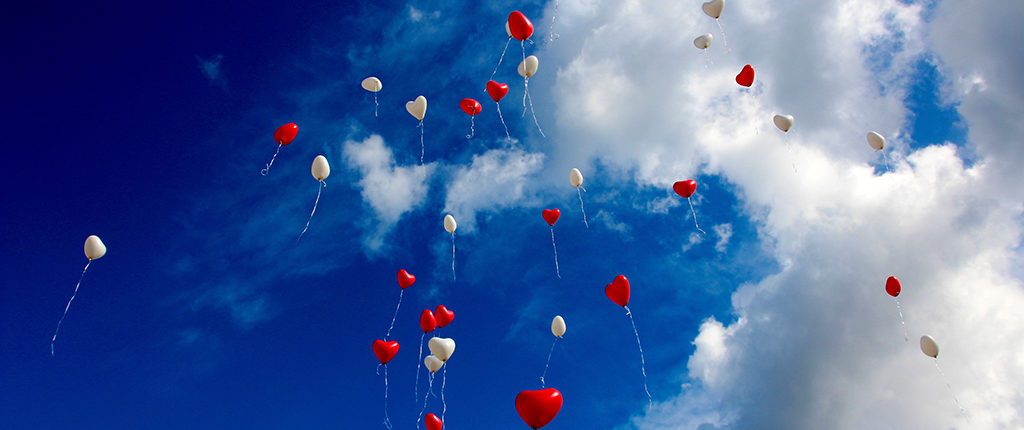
{"x":443,"y":315}
{"x":618,"y":290}
{"x":496,"y":90}
{"x":538,"y":407}
{"x":892,"y":286}
{"x":433,"y":422}
{"x":285,"y":134}
{"x":520,"y":26}
{"x":427,"y":321}
{"x":685,"y":188}
{"x":405,"y":279}
{"x":385,"y":351}
{"x":470,"y":106}
{"x":746,"y":76}
{"x":551,"y":216}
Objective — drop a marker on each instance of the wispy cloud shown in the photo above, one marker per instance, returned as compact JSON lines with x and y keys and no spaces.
{"x":211,"y":69}
{"x":494,"y":180}
{"x":724,"y":233}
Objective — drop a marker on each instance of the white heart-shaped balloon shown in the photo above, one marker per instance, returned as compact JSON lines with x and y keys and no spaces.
{"x":713,"y":8}
{"x":417,"y":108}
{"x":433,"y":363}
{"x":441,"y":347}
{"x":783,"y":122}
{"x":558,"y":326}
{"x":94,"y":247}
{"x":929,"y":347}
{"x":877,"y":141}
{"x":372,"y":84}
{"x":321,"y":170}
{"x":528,"y":67}
{"x":508,"y":30}
{"x":575,"y":177}
{"x":449,"y":224}
{"x":703,"y":41}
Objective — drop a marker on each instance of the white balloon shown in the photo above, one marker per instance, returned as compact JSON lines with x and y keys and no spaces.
{"x":558,"y":326}
{"x":575,"y":177}
{"x":528,"y":67}
{"x":94,"y":247}
{"x":713,"y":8}
{"x":703,"y":41}
{"x":417,"y":108}
{"x":877,"y":141}
{"x":372,"y":84}
{"x":441,"y":347}
{"x":929,"y":347}
{"x":433,"y":363}
{"x":321,"y":170}
{"x":507,"y":29}
{"x":449,"y":224}
{"x":783,"y":122}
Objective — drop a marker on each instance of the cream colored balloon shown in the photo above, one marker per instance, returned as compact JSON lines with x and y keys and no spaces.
{"x":449,"y":224}
{"x":441,"y":347}
{"x":877,"y":141}
{"x":783,"y":122}
{"x":94,"y":247}
{"x":713,"y":8}
{"x":703,"y":41}
{"x":507,"y":29}
{"x":558,"y":326}
{"x":528,"y":67}
{"x":372,"y":84}
{"x":929,"y":347}
{"x":417,"y":108}
{"x":321,"y":170}
{"x":433,"y":363}
{"x":575,"y":177}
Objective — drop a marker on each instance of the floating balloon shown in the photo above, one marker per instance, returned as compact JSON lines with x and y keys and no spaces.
{"x":427,"y":321}
{"x":703,"y":41}
{"x":527,"y":69}
{"x":94,"y":249}
{"x":551,"y":216}
{"x":385,"y":351}
{"x":432,"y":363}
{"x":929,"y":347}
{"x":497,"y":92}
{"x":558,"y":326}
{"x":320,"y":170}
{"x":405,"y":279}
{"x":449,"y":226}
{"x":892,"y":286}
{"x":418,"y":109}
{"x":443,"y":315}
{"x":373,"y":85}
{"x":432,"y":422}
{"x":618,"y":292}
{"x":876,"y":141}
{"x":746,"y":76}
{"x":576,"y":180}
{"x":472,"y":108}
{"x":441,"y":347}
{"x":783,"y":122}
{"x":713,"y":8}
{"x":519,"y":26}
{"x":538,"y":407}
{"x":284,"y":135}
{"x":686,"y":189}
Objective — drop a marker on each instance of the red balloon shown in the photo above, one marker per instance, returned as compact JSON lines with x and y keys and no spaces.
{"x":685,"y":188}
{"x":892,"y":286}
{"x":538,"y":407}
{"x":551,"y":216}
{"x":470,"y":106}
{"x":496,"y":90}
{"x":520,"y":26}
{"x":433,"y":422}
{"x":285,"y":134}
{"x":443,"y":315}
{"x":405,"y":279}
{"x":427,"y":321}
{"x":746,"y":76}
{"x":618,"y":290}
{"x":385,"y":351}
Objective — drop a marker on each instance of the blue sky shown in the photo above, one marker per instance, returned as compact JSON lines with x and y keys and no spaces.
{"x":148,"y":127}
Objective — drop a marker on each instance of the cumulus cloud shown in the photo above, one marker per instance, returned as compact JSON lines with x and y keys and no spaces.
{"x":493,"y":181}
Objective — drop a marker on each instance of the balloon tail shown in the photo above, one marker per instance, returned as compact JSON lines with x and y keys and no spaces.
{"x":453,"y":257}
{"x":426,"y":396}
{"x":725,"y":40}
{"x":317,"y":201}
{"x":792,"y":158}
{"x":551,"y":30}
{"x":503,"y":122}
{"x":400,"y":295}
{"x":581,"y":207}
{"x":375,"y":104}
{"x":419,"y":362}
{"x":707,"y":58}
{"x":387,"y":419}
{"x":694,"y":212}
{"x":59,"y":323}
{"x":899,"y":309}
{"x":444,"y":405}
{"x":472,"y":128}
{"x":421,"y":142}
{"x":548,"y":364}
{"x":266,"y":170}
{"x":532,"y":110}
{"x":502,"y":57}
{"x":555,"y":249}
{"x":886,"y":159}
{"x":643,"y":363}
{"x":949,"y":387}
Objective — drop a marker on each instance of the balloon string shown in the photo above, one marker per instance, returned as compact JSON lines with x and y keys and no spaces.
{"x":725,"y":40}
{"x":426,"y":396}
{"x":500,"y":59}
{"x":886,"y":159}
{"x":59,"y":323}
{"x":551,"y":30}
{"x":692,"y":211}
{"x":421,"y":142}
{"x":266,"y":170}
{"x":553,"y":248}
{"x":643,"y":364}
{"x":792,"y":158}
{"x":503,"y":122}
{"x":375,"y":104}
{"x":400,"y":294}
{"x":707,"y":58}
{"x":899,"y":309}
{"x":444,"y":379}
{"x":532,"y":110}
{"x":416,"y":394}
{"x":320,"y":188}
{"x":472,"y":128}
{"x":453,"y":257}
{"x":581,"y":207}
{"x":949,"y":387}
{"x":548,"y":364}
{"x":387,"y":419}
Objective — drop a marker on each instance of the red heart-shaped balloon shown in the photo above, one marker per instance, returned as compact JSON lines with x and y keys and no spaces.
{"x":470,"y":106}
{"x":551,"y":216}
{"x":892,"y":286}
{"x":405,"y":279}
{"x":520,"y":26}
{"x":427,"y":321}
{"x":285,"y":134}
{"x":685,"y":188}
{"x":443,"y":315}
{"x":538,"y":407}
{"x":496,"y":90}
{"x":385,"y":351}
{"x":433,"y":422}
{"x":746,"y":76}
{"x":618,"y":290}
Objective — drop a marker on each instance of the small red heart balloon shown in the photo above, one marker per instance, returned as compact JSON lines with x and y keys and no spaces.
{"x":405,"y":279}
{"x":285,"y":134}
{"x":520,"y":26}
{"x":685,"y":188}
{"x":433,"y":422}
{"x":496,"y":90}
{"x":746,"y":76}
{"x":443,"y":315}
{"x":427,"y":321}
{"x":551,"y":216}
{"x":470,"y":106}
{"x":385,"y":351}
{"x":618,"y":290}
{"x":538,"y":407}
{"x":892,"y":286}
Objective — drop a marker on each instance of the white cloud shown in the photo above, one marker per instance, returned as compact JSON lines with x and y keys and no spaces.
{"x":211,"y":69}
{"x":724,"y":233}
{"x":495,"y":180}
{"x":611,"y":223}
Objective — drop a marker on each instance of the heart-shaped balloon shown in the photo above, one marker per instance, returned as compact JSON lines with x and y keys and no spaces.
{"x":417,"y":108}
{"x":876,"y":141}
{"x":519,"y":26}
{"x":685,"y":188}
{"x":470,"y":106}
{"x":538,"y":407}
{"x":285,"y":134}
{"x":94,"y":247}
{"x":746,"y":76}
{"x":372,"y":84}
{"x":405,"y":279}
{"x":618,"y":290}
{"x":713,"y":8}
{"x":443,"y":315}
{"x":892,"y":286}
{"x":551,"y":216}
{"x":441,"y":347}
{"x":433,"y":422}
{"x":385,"y":351}
{"x":496,"y":90}
{"x":528,"y":67}
{"x":783,"y":122}
{"x":703,"y":41}
{"x":558,"y":326}
{"x":433,"y":363}
{"x":929,"y":347}
{"x":427,"y":321}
